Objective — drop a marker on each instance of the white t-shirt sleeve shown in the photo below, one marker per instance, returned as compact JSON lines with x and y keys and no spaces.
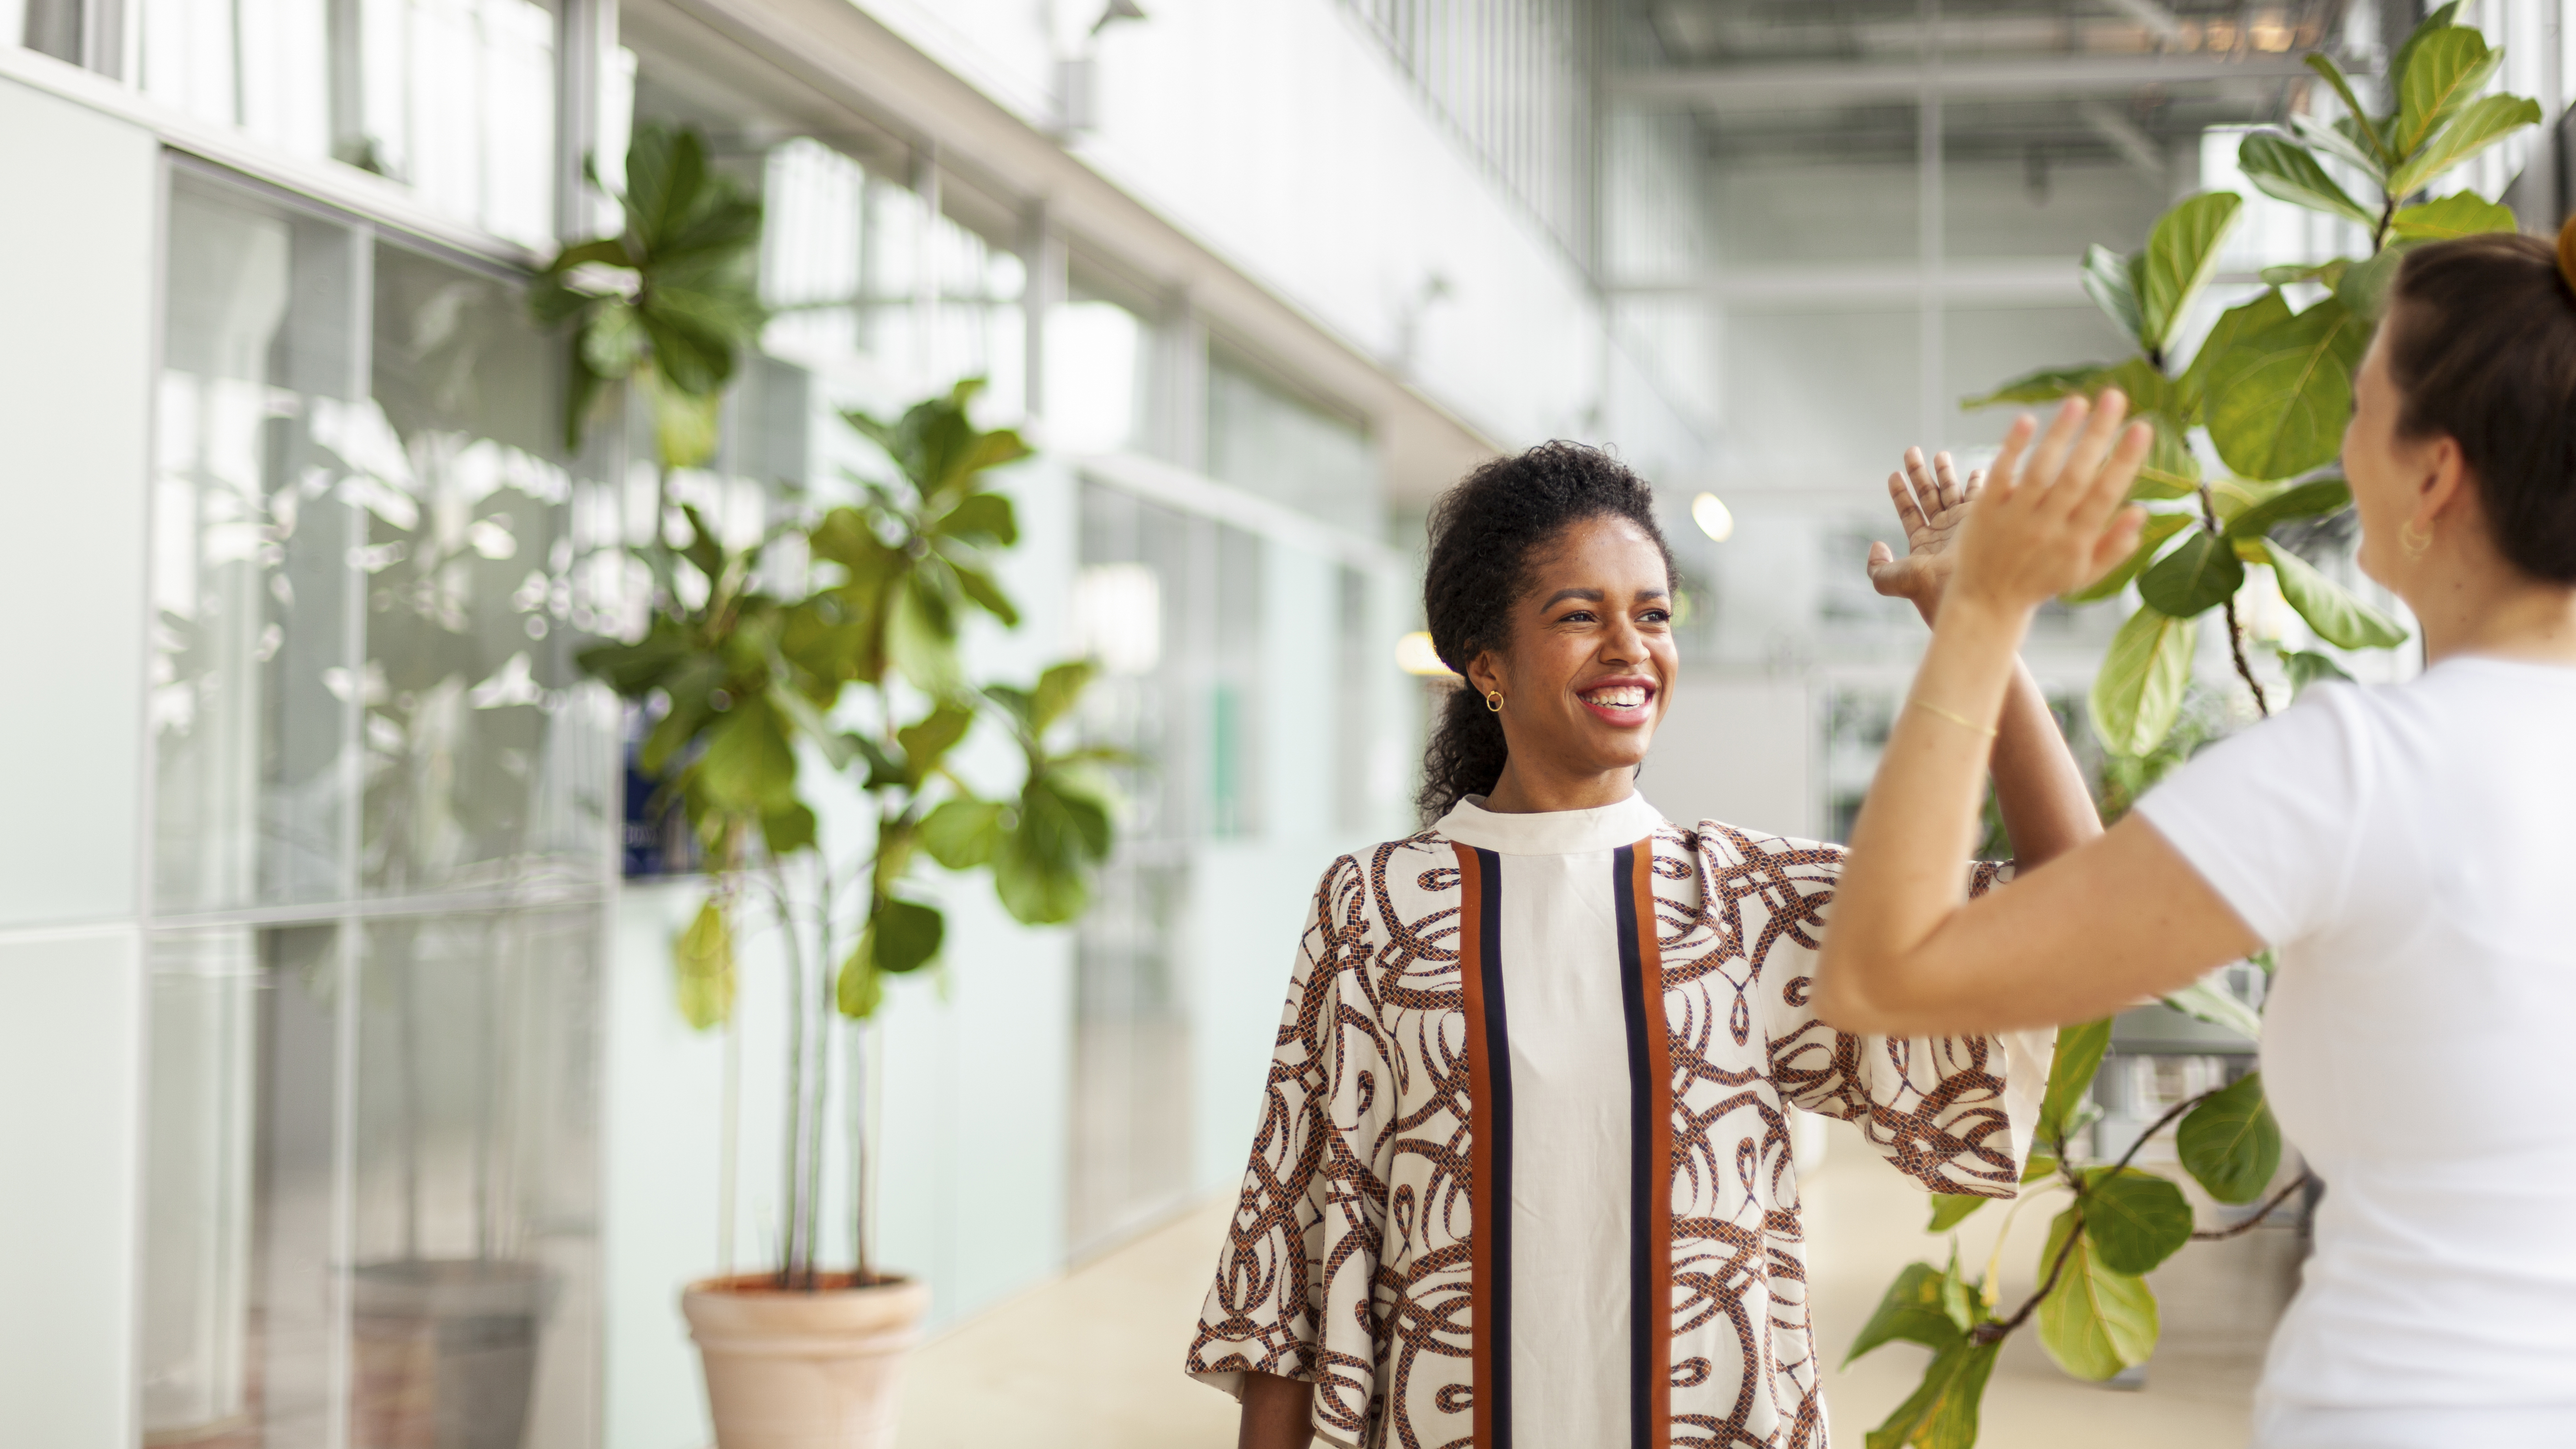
{"x":2268,"y":817}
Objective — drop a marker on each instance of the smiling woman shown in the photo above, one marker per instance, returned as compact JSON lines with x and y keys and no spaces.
{"x":1523,"y":1169}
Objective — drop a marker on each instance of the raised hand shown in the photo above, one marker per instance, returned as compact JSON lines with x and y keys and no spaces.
{"x":1931,"y":505}
{"x":2049,"y":520}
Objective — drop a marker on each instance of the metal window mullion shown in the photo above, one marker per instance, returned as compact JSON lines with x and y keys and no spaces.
{"x":360,"y":333}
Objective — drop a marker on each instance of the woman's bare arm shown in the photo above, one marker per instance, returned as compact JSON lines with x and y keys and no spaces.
{"x":1278,"y":1413}
{"x":2047,"y":810}
{"x":2109,"y":922}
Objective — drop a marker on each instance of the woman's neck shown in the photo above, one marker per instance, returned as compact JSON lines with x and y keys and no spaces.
{"x":1533,"y":792}
{"x":2492,"y":609}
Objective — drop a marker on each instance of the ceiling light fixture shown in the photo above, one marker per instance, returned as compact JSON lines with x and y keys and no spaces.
{"x":1713,"y":518}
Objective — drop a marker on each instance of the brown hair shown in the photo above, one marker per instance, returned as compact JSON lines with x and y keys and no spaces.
{"x":2482,"y":347}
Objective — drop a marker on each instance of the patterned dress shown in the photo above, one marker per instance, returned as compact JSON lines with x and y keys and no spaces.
{"x":1594,"y":1017}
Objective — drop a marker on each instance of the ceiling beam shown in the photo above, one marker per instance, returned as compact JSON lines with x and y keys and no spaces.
{"x":1808,"y":86}
{"x":1891,"y":285}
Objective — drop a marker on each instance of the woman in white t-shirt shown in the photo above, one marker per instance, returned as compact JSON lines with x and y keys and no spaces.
{"x":2409,"y":852}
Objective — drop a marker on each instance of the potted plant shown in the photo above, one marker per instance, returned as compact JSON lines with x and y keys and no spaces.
{"x":2268,"y":393}
{"x":855,"y":668}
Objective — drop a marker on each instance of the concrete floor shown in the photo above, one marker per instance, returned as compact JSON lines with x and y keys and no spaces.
{"x":1092,"y":1361}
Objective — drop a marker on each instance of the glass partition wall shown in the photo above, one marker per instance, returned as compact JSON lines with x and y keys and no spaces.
{"x":382,"y":833}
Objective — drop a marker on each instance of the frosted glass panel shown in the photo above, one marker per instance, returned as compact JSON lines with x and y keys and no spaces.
{"x":241,"y":1298}
{"x":253,"y":675}
{"x":488,"y":759}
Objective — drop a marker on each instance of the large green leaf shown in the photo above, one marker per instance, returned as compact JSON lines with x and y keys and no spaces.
{"x":2338,"y":617}
{"x":2180,"y":253}
{"x":986,"y":594}
{"x":1042,"y":866}
{"x":702,"y":972}
{"x":788,"y":829}
{"x":2443,"y":70}
{"x":2373,"y":158}
{"x":2208,"y":1001}
{"x":749,"y":765}
{"x":985,"y":518}
{"x":927,"y":740}
{"x":2046,"y":385}
{"x":1949,"y":1209}
{"x":2355,"y":145}
{"x":2243,"y":320}
{"x":2473,"y":128}
{"x":1919,"y":1307}
{"x":2364,"y":285}
{"x":2109,"y":282}
{"x":2312,"y":499}
{"x":684,"y":423}
{"x":2306,"y":667}
{"x":2230,"y":1143}
{"x":2202,"y":574}
{"x":2440,"y":18}
{"x":921,"y":639}
{"x":1058,"y":688}
{"x":1942,"y":1411}
{"x":2134,"y":1219}
{"x":2278,"y":399}
{"x":2462,"y":213}
{"x":2159,"y":528}
{"x":2281,"y":167}
{"x":962,"y":833}
{"x":2139,"y":689}
{"x":904,"y":935}
{"x":2098,"y":1321}
{"x":2070,"y":1075}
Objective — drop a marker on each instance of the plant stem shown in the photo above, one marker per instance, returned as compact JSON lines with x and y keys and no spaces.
{"x":1991,"y":1332}
{"x":824,"y":1022}
{"x":2275,"y":1200}
{"x":1996,"y":1331}
{"x":790,"y":1201}
{"x":2235,"y":631}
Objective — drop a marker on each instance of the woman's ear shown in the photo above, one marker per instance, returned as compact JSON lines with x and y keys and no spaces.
{"x":2444,"y":485}
{"x":1485,"y":673}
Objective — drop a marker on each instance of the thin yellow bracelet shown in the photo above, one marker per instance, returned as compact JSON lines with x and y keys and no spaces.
{"x":1956,"y":719}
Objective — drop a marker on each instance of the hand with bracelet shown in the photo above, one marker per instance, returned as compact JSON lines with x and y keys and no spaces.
{"x":1906,"y":953}
{"x":2046,"y":808}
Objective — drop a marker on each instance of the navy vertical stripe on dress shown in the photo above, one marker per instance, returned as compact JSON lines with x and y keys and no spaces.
{"x":1649,"y":1150}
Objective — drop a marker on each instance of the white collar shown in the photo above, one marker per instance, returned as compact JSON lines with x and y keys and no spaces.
{"x":1550,"y":832}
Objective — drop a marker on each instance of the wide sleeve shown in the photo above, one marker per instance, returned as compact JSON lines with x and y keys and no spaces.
{"x":2269,"y":816}
{"x":1296,"y":1277}
{"x":1955,"y":1113}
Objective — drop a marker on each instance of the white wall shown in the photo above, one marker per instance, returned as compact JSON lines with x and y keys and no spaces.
{"x":1736,"y":749}
{"x":1280,"y":134}
{"x":75,"y":389}
{"x":75,"y":400}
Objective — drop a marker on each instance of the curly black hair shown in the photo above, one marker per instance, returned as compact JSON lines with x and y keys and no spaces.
{"x":1484,"y":532}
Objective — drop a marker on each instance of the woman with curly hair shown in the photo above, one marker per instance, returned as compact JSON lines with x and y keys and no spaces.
{"x":1522,"y":1175}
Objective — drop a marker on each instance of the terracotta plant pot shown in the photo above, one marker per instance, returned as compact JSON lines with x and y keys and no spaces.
{"x":797,"y":1370}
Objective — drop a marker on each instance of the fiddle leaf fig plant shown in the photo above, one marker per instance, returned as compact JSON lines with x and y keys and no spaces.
{"x":754,"y":668}
{"x":669,"y":303}
{"x":2266,"y":395}
{"x":753,"y":682}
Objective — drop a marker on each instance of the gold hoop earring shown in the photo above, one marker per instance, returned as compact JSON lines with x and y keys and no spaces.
{"x":1494,"y":700}
{"x":2408,"y":539}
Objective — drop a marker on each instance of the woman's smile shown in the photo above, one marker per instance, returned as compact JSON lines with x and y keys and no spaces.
{"x":1626,"y":701}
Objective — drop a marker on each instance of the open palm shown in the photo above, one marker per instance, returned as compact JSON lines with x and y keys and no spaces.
{"x":1932,"y":504}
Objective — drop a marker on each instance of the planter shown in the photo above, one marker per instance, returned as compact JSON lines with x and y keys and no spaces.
{"x":791,"y":1370}
{"x":446,"y":1352}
